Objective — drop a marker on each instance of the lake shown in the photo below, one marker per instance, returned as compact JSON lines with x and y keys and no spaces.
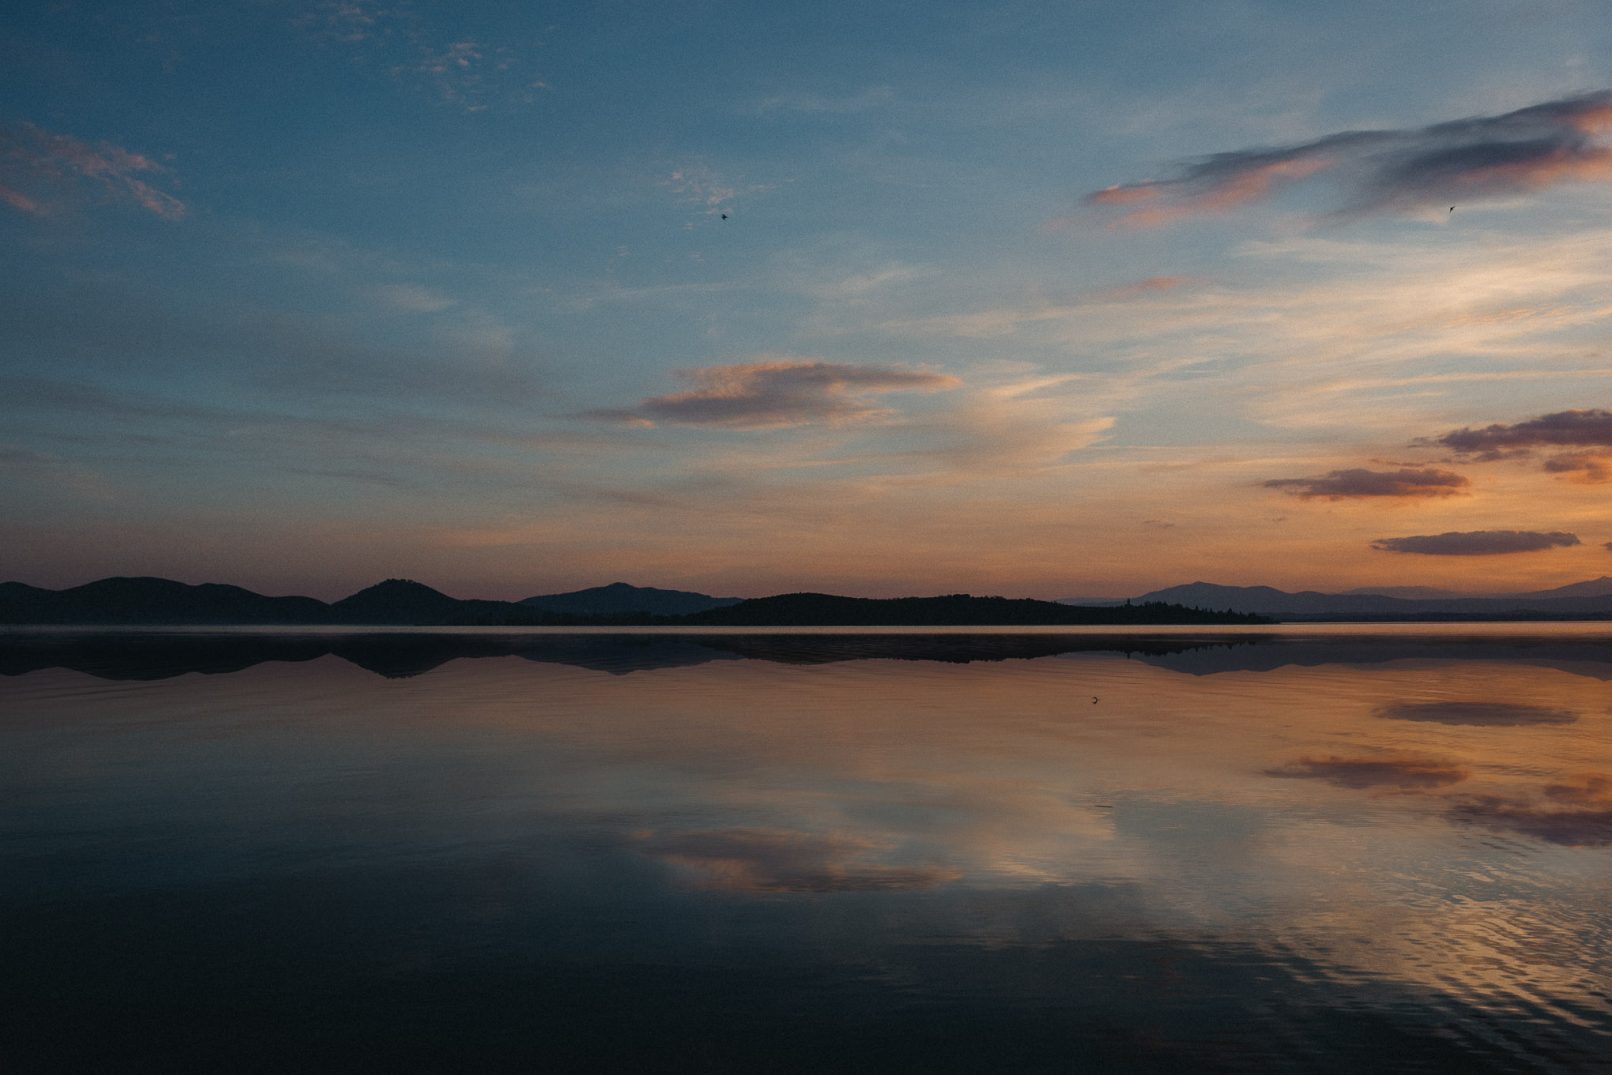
{"x":1343,"y":848}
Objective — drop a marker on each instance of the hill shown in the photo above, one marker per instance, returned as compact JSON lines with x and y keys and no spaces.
{"x":1585,"y":600}
{"x":955,"y":610}
{"x":622,"y":599}
{"x":153,"y":601}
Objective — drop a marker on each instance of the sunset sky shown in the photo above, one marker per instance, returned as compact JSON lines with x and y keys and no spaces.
{"x":1033,"y":299}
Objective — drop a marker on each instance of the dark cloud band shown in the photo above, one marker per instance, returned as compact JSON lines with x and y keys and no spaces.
{"x":1420,"y":483}
{"x":1477,"y":542}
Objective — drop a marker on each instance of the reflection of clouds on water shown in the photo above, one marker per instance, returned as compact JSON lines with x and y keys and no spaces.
{"x":1572,"y":814}
{"x":1408,"y":773}
{"x":777,"y":860}
{"x":874,"y":790}
{"x":1490,"y":714}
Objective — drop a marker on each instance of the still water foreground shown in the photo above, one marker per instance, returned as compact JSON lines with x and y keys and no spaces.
{"x":1370,"y":851}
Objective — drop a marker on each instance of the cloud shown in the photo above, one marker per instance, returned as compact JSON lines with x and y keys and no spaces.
{"x":1564,"y":429}
{"x":1389,"y":170}
{"x":1479,"y":714}
{"x":1141,"y":289}
{"x":1424,"y":483}
{"x":1374,"y":772}
{"x":780,"y":393}
{"x":774,"y":860}
{"x":1584,"y":430}
{"x":825,"y":104}
{"x":1576,"y":814}
{"x":39,"y":167}
{"x":412,"y":298}
{"x":701,"y":185}
{"x":459,"y":70}
{"x":1583,"y":467}
{"x":1477,"y":542}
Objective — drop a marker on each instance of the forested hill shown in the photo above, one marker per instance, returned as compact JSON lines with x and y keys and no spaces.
{"x":954,"y":610}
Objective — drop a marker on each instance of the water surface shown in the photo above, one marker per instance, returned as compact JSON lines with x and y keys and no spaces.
{"x":1341,"y":849}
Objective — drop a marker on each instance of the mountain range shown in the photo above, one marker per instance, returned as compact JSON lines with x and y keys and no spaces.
{"x":1591,"y":599}
{"x":401,"y":602}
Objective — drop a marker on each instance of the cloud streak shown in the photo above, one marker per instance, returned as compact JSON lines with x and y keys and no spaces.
{"x":1477,"y":714}
{"x":459,"y":70}
{"x":1477,"y":542}
{"x":778,"y":394}
{"x":772,"y":860}
{"x":1394,"y":169}
{"x":1358,"y":483}
{"x":39,"y":167}
{"x":1374,"y":772}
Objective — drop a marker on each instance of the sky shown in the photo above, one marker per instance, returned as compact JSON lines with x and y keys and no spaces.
{"x":1033,"y":299}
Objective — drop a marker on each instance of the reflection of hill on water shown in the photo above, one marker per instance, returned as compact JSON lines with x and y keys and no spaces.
{"x":142,"y":656}
{"x":1588,"y":657}
{"x":136,"y":655}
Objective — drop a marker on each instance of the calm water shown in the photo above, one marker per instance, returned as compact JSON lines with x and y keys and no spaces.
{"x":1350,"y":850}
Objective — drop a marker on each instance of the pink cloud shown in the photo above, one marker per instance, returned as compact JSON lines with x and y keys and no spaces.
{"x":48,"y":166}
{"x":1385,"y":170}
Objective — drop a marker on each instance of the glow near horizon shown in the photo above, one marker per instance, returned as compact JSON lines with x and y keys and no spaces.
{"x":315,"y":294}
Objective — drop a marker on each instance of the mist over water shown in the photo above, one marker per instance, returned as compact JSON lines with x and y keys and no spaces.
{"x":1352,"y":850}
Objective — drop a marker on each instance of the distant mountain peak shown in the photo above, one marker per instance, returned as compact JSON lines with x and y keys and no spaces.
{"x":625,"y":599}
{"x":398,"y":587}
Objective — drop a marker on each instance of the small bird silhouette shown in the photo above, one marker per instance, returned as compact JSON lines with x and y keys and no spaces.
{"x":1452,"y":208}
{"x":725,"y":216}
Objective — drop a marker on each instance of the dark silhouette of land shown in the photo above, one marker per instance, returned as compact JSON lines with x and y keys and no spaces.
{"x":402,"y":603}
{"x":621,"y":599}
{"x":1590,"y":600}
{"x":826,"y":610}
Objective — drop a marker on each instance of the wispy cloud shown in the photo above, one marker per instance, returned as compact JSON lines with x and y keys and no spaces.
{"x":826,"y":104}
{"x":39,"y":169}
{"x":1477,"y":542}
{"x":1358,"y":483}
{"x":1392,"y":170}
{"x":773,"y":860}
{"x":412,"y":298}
{"x":459,"y":69}
{"x":1375,"y":772}
{"x":778,"y":393}
{"x":1145,"y":288}
{"x":713,"y":192}
{"x":1479,"y":714}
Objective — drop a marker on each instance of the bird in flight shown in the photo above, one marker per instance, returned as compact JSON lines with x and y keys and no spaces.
{"x":1452,"y":208}
{"x":725,"y":216}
